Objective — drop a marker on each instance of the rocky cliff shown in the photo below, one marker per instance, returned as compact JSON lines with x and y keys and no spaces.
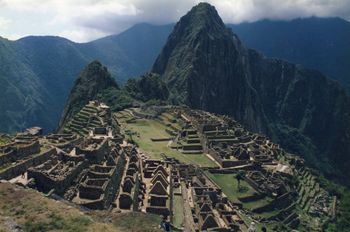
{"x":206,"y":66}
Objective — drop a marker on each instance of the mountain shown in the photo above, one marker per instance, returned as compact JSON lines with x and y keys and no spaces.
{"x":37,"y":72}
{"x":130,"y":53}
{"x":147,"y":88}
{"x":318,"y":43}
{"x":207,"y":67}
{"x":21,"y":93}
{"x":96,"y":83}
{"x":92,"y":82}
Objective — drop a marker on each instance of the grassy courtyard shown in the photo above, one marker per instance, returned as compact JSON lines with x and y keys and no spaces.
{"x":143,"y":130}
{"x":229,"y":186}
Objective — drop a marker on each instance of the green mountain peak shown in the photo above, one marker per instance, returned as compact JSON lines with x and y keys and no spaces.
{"x":93,"y":81}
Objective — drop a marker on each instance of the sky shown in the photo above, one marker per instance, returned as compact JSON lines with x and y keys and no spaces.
{"x":86,"y":20}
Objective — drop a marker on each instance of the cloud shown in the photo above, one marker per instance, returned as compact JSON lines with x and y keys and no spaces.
{"x":83,"y":20}
{"x":4,"y":23}
{"x":82,"y":35}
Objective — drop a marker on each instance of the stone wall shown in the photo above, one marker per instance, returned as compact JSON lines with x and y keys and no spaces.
{"x":95,"y":155}
{"x":45,"y":182}
{"x":64,"y":141}
{"x":24,"y":150}
{"x":135,"y":205}
{"x":99,"y":189}
{"x":93,"y":189}
{"x":17,"y":151}
{"x":8,"y":157}
{"x":22,"y":167}
{"x":278,"y":203}
{"x":251,"y":198}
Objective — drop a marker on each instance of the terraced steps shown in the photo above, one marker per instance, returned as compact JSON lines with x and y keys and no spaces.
{"x":84,"y":114}
{"x":221,"y":137}
{"x":192,"y":152}
{"x":193,"y":140}
{"x":213,"y":133}
{"x":194,"y":146}
{"x":89,"y":109}
{"x":169,"y":117}
{"x":84,"y":121}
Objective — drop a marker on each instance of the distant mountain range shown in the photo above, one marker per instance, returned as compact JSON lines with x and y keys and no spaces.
{"x":317,"y":43}
{"x":37,"y":72}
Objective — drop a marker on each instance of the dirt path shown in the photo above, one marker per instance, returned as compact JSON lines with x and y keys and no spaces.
{"x":188,"y":219}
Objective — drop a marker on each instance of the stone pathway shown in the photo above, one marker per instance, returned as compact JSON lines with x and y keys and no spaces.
{"x":212,"y":159}
{"x":188,"y":219}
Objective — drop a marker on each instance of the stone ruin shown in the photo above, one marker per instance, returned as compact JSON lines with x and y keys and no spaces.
{"x":94,"y":149}
{"x":64,"y":141}
{"x":158,"y":193}
{"x":211,"y":210}
{"x":22,"y":152}
{"x":227,"y":141}
{"x":268,"y":169}
{"x":97,"y":188}
{"x":132,"y":188}
{"x":57,"y":173}
{"x":84,"y":167}
{"x":17,"y":150}
{"x":94,"y":115}
{"x":90,"y":166}
{"x":34,"y":131}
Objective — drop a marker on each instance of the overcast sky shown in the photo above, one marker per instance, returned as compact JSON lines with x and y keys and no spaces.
{"x":85,"y":20}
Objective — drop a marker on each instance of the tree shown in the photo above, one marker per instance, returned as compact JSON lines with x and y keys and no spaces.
{"x":239,"y":177}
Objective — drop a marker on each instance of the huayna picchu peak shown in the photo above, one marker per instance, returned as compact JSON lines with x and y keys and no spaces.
{"x":207,"y":67}
{"x":215,"y":136}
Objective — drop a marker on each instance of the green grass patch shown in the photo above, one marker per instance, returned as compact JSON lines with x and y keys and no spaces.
{"x":143,"y":130}
{"x":137,"y":222}
{"x":229,"y":186}
{"x":178,"y":211}
{"x":56,"y":222}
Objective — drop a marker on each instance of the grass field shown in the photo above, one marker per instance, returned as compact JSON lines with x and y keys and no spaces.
{"x":178,"y":211}
{"x":228,"y":183}
{"x":33,"y":212}
{"x":146,"y":129}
